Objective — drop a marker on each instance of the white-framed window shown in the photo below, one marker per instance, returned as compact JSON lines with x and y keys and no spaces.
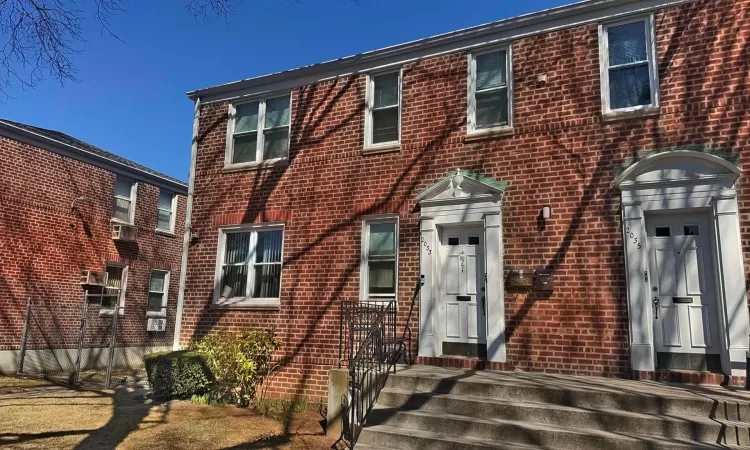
{"x":165,"y":211}
{"x":157,"y":292}
{"x":379,"y":260}
{"x":114,"y":293}
{"x":259,"y":130}
{"x":490,"y":84}
{"x":123,"y":208}
{"x":629,"y":74}
{"x":248,"y":266}
{"x":383,"y":110}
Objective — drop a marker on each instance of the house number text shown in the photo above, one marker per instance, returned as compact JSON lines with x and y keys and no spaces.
{"x":631,"y":235}
{"x":424,"y":243}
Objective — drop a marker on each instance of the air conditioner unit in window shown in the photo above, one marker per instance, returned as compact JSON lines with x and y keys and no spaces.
{"x":156,"y":325}
{"x":122,"y":232}
{"x":92,"y":278}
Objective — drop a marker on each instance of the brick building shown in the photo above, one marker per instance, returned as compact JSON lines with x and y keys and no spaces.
{"x":61,"y":203}
{"x":599,"y":147}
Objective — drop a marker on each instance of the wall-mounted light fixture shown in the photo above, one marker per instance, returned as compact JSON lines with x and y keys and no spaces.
{"x":546,"y":212}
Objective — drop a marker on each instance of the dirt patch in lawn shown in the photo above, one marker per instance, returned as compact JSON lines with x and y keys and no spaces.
{"x":118,"y":419}
{"x":12,"y":385}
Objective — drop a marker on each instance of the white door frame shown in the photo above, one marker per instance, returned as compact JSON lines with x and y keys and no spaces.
{"x":456,"y":203}
{"x":687,"y":181}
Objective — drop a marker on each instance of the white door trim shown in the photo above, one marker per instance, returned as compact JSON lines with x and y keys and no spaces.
{"x":455,"y":204}
{"x":686,"y":181}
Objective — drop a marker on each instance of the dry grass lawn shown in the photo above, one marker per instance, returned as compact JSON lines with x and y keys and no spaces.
{"x":11,"y":385}
{"x":109,"y":419}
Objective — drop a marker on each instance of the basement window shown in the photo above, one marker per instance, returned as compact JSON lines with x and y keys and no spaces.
{"x":258,"y":131}
{"x":629,"y":76}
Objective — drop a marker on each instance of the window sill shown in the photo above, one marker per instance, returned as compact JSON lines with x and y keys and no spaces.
{"x":165,"y":233}
{"x":273,"y":304}
{"x":110,"y":312}
{"x":491,"y":133}
{"x":381,"y":148}
{"x":158,"y":314}
{"x":120,"y":222}
{"x":614,"y":116}
{"x":257,"y":165}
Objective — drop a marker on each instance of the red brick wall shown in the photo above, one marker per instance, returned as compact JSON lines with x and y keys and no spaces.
{"x":44,"y":244}
{"x":561,"y":153}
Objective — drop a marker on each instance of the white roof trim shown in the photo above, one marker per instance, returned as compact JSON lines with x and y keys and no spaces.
{"x":491,"y":33}
{"x":641,"y":166}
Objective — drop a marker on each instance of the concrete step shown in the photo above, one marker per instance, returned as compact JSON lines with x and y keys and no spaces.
{"x":384,"y":437}
{"x":700,"y":429}
{"x":414,"y":430}
{"x":580,"y":392}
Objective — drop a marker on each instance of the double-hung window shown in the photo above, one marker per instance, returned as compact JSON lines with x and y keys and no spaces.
{"x":165,"y":210}
{"x":123,"y":209}
{"x":258,"y":130}
{"x":114,"y":293}
{"x":157,"y":292}
{"x":490,"y":91}
{"x":249,"y":264}
{"x":628,"y":66}
{"x":379,"y":271}
{"x":383,"y":115}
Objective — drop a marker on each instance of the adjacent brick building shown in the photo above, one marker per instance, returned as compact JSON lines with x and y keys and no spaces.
{"x":624,"y":118}
{"x":60,"y":199}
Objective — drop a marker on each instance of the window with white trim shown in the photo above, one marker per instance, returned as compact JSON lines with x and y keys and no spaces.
{"x":123,"y":208}
{"x":114,"y":293}
{"x":628,"y":66}
{"x":165,"y":211}
{"x":249,"y":266}
{"x":157,"y":291}
{"x":490,"y":90}
{"x":259,"y":130}
{"x":379,"y":269}
{"x":383,"y":112}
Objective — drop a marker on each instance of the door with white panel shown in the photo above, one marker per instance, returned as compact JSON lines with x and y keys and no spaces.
{"x":683,"y":294}
{"x":463,"y":291}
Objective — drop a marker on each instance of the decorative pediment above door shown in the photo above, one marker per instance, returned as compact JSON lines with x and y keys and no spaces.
{"x":462,"y":186}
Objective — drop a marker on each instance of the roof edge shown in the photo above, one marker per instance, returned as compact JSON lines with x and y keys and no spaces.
{"x":90,"y":157}
{"x":418,"y":47}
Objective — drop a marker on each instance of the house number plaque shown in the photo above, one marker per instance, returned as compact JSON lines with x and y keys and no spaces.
{"x":631,"y":235}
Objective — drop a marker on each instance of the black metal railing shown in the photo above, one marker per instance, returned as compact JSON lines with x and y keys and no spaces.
{"x":369,"y":346}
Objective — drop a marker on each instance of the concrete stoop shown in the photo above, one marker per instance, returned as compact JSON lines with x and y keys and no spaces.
{"x":436,"y":408}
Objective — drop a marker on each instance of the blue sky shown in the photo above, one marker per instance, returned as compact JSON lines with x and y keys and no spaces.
{"x":130,"y":98}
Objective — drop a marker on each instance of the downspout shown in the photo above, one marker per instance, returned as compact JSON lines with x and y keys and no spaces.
{"x":188,"y":225}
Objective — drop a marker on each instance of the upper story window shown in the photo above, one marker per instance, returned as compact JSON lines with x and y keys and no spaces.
{"x":165,"y":211}
{"x":258,"y":130}
{"x":628,"y":66}
{"x":123,"y":209}
{"x":379,"y":259}
{"x":383,"y":114}
{"x":248,"y":269}
{"x":490,"y":91}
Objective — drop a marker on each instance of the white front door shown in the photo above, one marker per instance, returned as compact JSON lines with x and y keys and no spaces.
{"x":686,"y":335}
{"x":462,"y":291}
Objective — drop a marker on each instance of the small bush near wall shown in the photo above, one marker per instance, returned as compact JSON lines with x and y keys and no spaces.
{"x":178,"y":374}
{"x":240,"y":362}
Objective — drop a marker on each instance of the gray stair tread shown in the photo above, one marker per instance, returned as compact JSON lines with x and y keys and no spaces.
{"x":556,"y":407}
{"x":678,"y":443}
{"x":458,"y":441}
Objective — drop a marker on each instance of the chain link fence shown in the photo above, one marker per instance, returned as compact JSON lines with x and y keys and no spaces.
{"x":87,"y":343}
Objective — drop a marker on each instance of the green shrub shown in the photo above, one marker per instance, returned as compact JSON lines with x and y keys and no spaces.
{"x":178,"y":374}
{"x":213,"y":398}
{"x":239,"y":361}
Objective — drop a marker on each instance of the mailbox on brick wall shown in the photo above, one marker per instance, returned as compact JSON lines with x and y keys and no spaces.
{"x":520,"y":278}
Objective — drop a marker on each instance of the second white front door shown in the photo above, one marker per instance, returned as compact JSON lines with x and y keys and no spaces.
{"x":463,"y":291}
{"x":686,"y":335}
